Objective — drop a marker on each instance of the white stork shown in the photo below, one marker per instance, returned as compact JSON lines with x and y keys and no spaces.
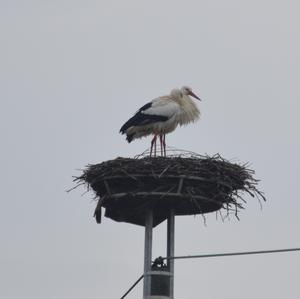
{"x":161,"y":116}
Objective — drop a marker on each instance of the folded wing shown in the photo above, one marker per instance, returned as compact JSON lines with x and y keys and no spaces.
{"x":152,"y":112}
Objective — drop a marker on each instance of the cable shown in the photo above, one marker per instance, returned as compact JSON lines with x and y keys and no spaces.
{"x":141,"y":277}
{"x":161,"y":259}
{"x":227,"y":254}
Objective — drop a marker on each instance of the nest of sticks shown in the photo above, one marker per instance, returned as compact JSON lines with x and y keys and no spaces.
{"x":127,"y":188}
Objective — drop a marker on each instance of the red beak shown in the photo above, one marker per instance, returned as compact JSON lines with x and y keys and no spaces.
{"x":194,"y":96}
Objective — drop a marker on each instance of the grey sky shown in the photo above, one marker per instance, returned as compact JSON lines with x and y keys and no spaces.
{"x":73,"y":71}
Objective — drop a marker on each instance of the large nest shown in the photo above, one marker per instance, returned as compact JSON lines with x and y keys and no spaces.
{"x":127,"y":187}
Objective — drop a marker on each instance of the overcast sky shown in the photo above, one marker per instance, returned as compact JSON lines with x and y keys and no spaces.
{"x":72,"y":72}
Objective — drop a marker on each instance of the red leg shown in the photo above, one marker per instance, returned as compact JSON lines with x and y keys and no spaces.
{"x":164,"y":145}
{"x":161,"y":144}
{"x":153,"y":143}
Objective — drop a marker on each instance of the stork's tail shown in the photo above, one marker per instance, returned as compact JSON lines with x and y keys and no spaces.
{"x":129,"y":137}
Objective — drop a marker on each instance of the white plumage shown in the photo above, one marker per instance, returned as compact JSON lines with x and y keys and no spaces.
{"x":161,"y":116}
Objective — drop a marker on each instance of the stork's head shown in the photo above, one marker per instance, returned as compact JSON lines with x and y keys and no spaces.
{"x":177,"y":93}
{"x":188,"y":91}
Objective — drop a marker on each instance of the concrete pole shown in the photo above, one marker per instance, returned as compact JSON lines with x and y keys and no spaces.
{"x":148,"y":252}
{"x":170,"y":249}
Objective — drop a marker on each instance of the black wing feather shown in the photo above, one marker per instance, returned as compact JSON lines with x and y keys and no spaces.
{"x":141,"y":119}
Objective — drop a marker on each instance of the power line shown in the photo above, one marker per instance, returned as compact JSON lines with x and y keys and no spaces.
{"x":161,"y":259}
{"x":129,"y":290}
{"x":228,"y":254}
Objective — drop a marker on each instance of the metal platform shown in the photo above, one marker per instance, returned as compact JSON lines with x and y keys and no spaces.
{"x":123,"y":203}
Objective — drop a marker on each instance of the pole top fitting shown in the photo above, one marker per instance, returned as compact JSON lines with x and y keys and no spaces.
{"x":159,"y":263}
